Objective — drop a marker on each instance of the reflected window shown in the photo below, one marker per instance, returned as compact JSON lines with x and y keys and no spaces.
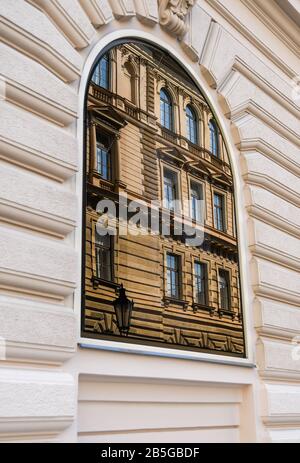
{"x":191,"y":124}
{"x":214,"y":138}
{"x":101,"y":72}
{"x":170,"y":189}
{"x":200,"y":274}
{"x":224,"y":289}
{"x":166,"y":115}
{"x":219,"y":212}
{"x":103,"y":251}
{"x":103,"y":156}
{"x":197,"y":202}
{"x":173,"y":266}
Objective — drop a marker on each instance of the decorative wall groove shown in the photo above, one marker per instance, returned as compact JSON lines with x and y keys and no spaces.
{"x":243,"y":29}
{"x":255,"y":170}
{"x":45,"y":46}
{"x":71,"y":20}
{"x":122,"y":8}
{"x":31,"y":142}
{"x":33,"y":87}
{"x":98,"y":11}
{"x":260,"y":204}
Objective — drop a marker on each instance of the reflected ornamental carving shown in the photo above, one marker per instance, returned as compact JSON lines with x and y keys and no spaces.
{"x":173,"y":13}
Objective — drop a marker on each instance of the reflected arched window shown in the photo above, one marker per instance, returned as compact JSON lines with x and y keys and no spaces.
{"x":191,"y":124}
{"x":214,"y":138}
{"x":166,"y":116}
{"x":101,"y":72}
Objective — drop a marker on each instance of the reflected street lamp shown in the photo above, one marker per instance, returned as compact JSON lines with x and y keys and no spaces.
{"x":123,"y":309}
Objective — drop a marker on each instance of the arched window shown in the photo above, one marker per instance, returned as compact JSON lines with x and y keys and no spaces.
{"x":214,"y":138}
{"x":101,"y":72}
{"x":166,"y":116}
{"x":191,"y":124}
{"x":158,"y":229}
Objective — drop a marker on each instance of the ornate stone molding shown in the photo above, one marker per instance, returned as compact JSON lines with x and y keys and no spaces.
{"x":173,"y":13}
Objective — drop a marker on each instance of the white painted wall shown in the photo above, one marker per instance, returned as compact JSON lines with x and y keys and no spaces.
{"x":246,"y":62}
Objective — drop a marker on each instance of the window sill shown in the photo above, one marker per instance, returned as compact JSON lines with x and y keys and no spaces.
{"x":229,"y":313}
{"x":101,"y":282}
{"x":104,"y":180}
{"x":196,"y":306}
{"x":174,"y":301}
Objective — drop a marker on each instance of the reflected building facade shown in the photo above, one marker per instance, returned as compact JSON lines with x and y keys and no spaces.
{"x":152,"y":138}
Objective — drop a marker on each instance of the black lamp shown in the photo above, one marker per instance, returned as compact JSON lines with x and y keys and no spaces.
{"x":123,"y":309}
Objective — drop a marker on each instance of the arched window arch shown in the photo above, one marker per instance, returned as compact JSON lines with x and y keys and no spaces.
{"x":101,"y":73}
{"x":191,"y":124}
{"x":166,"y":109}
{"x":214,"y":138}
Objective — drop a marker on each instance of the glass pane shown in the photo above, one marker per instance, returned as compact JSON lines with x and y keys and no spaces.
{"x":165,"y":110}
{"x":224,"y":289}
{"x":196,"y":201}
{"x":213,"y":131}
{"x":200,"y":283}
{"x":191,"y":125}
{"x":219,"y":212}
{"x":103,"y":241}
{"x":172,"y":276}
{"x":170,"y":189}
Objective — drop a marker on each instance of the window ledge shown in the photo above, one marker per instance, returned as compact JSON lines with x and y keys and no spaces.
{"x":174,"y":301}
{"x":229,"y":313}
{"x":101,"y":282}
{"x":196,"y":306}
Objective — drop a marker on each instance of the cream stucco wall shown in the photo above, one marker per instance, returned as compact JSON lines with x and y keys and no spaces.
{"x":48,"y":380}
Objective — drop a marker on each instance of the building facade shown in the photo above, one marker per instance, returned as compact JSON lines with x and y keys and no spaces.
{"x":64,"y":363}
